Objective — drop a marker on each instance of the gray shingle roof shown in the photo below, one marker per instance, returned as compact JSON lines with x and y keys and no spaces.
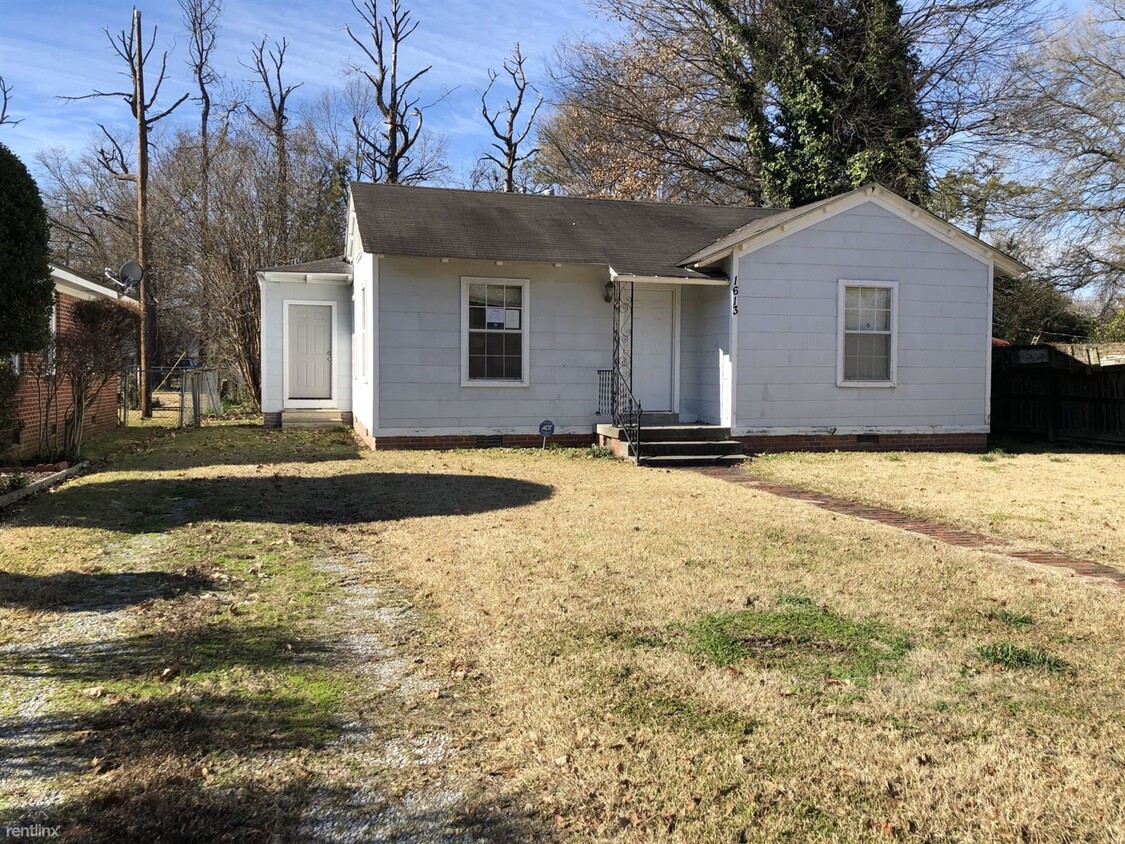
{"x":336,"y":264}
{"x":635,"y":238}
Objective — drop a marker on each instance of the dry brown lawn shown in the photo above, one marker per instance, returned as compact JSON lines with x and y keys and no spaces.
{"x":643,"y":655}
{"x":1070,"y":500}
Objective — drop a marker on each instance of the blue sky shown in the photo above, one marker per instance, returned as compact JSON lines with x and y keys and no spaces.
{"x":57,"y":47}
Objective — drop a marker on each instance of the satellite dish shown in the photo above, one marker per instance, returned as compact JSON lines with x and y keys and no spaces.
{"x":131,"y":273}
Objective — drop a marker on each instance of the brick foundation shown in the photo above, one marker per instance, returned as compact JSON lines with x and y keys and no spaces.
{"x":271,"y":420}
{"x":620,"y":447}
{"x":452,"y":441}
{"x":759,"y":444}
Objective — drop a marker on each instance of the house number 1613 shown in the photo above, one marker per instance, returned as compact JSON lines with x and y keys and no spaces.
{"x":734,"y":299}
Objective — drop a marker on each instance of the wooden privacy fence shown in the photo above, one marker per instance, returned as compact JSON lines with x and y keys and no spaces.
{"x":1044,"y":392}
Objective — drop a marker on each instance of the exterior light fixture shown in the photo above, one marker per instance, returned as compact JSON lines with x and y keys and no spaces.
{"x":609,"y":291}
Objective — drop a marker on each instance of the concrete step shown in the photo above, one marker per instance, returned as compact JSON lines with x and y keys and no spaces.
{"x":667,"y":433}
{"x":679,"y":433}
{"x":674,"y":461}
{"x":311,"y":419}
{"x":657,"y":448}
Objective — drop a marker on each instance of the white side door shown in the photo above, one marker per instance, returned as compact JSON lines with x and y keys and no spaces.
{"x":310,"y":352}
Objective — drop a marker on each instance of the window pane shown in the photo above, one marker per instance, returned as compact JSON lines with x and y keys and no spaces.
{"x":495,"y":338}
{"x":881,"y":360}
{"x":867,"y":357}
{"x":882,"y":320}
{"x":867,"y":309}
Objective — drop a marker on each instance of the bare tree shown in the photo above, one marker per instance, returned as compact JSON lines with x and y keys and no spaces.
{"x":130,"y":47}
{"x":269,"y":65}
{"x":5,"y":97}
{"x":201,"y":17}
{"x":505,"y":122}
{"x":393,"y":152}
{"x":1062,"y":124}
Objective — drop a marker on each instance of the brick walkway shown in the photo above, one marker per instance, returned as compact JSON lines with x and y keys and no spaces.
{"x":927,"y":527}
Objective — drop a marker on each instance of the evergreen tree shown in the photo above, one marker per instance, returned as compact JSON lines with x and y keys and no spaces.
{"x":847,"y":109}
{"x":26,"y":289}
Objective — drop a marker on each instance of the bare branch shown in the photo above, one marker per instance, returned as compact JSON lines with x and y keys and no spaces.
{"x":504,"y":122}
{"x":5,"y":97}
{"x":386,"y":150}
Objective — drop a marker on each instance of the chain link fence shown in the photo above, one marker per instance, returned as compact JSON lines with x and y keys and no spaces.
{"x":181,"y":395}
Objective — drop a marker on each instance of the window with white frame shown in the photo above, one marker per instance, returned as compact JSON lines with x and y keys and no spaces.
{"x":14,"y":363}
{"x":868,"y":326}
{"x":494,"y":331}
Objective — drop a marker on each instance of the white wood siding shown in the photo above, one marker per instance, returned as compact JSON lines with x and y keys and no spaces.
{"x":419,"y":329}
{"x":787,"y":329}
{"x":273,"y":342}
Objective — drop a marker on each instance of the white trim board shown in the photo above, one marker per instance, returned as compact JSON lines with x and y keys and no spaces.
{"x":988,"y":352}
{"x":859,"y":429}
{"x":482,"y":432}
{"x":308,"y":404}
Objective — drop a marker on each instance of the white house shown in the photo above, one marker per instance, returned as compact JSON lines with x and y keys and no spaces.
{"x":462,"y":318}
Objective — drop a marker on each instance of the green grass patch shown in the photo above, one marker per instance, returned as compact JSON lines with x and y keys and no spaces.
{"x":1011,"y":656}
{"x":796,"y":635}
{"x":995,"y":454}
{"x":1015,"y":620}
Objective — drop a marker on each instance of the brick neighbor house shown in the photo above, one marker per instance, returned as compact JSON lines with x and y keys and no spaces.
{"x":70,"y":288}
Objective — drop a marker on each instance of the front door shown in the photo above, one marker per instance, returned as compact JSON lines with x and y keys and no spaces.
{"x":653,"y":341}
{"x":310,"y":352}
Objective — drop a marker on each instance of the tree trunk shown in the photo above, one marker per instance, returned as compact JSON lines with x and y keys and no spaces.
{"x":148,"y":301}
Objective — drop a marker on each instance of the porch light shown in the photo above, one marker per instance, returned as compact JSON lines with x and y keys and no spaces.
{"x":609,"y":291}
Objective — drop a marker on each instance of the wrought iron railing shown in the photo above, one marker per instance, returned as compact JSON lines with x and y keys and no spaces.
{"x":623,"y":404}
{"x":605,"y":392}
{"x":627,"y":415}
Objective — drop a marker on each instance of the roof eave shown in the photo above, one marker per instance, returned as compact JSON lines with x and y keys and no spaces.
{"x":1005,"y":264}
{"x":695,"y":278}
{"x":279,"y":277}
